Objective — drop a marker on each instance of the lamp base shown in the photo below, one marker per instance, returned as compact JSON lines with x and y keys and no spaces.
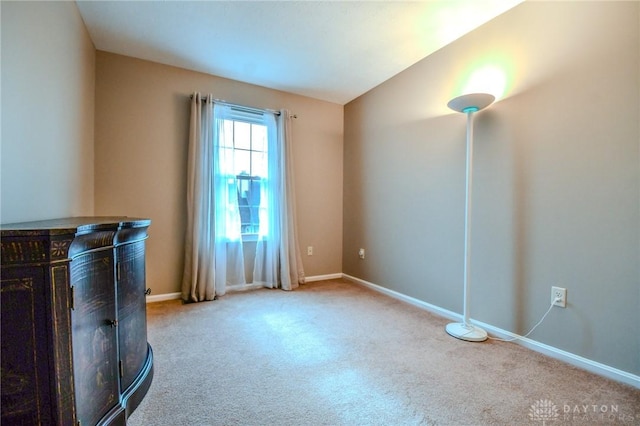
{"x":466,"y":332}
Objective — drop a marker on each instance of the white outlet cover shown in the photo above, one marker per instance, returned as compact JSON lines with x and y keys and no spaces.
{"x":562,"y":292}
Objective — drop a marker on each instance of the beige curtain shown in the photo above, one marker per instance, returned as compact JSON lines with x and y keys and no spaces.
{"x":213,"y":245}
{"x":278,"y":260}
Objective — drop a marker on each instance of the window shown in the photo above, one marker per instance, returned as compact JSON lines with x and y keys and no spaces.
{"x":245,"y":139}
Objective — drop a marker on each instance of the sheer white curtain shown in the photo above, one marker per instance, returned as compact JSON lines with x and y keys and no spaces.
{"x":214,"y":256}
{"x":213,"y":244}
{"x":278,"y":261}
{"x":228,"y":222}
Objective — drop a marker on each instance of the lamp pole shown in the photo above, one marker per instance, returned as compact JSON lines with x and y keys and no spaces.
{"x":468,"y":104}
{"x":467,"y":217}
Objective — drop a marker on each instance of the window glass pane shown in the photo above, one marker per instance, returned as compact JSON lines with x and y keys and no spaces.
{"x":243,"y":203}
{"x":244,"y":155}
{"x":254,"y":206}
{"x":226,"y":137}
{"x":242,"y":135}
{"x":226,"y":161}
{"x":243,"y":190}
{"x":231,"y":190}
{"x":242,"y":163}
{"x":259,"y":137}
{"x":259,"y":163}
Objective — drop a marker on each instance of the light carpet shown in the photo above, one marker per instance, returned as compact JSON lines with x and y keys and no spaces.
{"x":336,"y":353}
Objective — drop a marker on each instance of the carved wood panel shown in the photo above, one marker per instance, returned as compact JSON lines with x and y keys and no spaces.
{"x":24,"y":343}
{"x":95,"y":350}
{"x":132,"y":327}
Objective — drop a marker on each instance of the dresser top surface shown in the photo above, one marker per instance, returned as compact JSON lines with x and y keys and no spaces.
{"x":74,"y":225}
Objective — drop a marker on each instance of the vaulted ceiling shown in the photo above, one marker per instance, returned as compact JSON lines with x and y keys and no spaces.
{"x":328,"y":50}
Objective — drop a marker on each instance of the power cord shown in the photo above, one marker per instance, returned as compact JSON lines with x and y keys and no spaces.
{"x":557,"y":299}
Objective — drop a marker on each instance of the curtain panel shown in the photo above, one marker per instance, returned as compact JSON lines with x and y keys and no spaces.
{"x":214,"y":256}
{"x":278,"y":261}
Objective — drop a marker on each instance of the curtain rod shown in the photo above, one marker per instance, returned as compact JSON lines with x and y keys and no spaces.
{"x":243,"y":107}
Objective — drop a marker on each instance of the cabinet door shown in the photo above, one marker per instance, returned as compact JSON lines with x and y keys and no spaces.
{"x":95,"y":350}
{"x":132,"y":316}
{"x":25,"y":352}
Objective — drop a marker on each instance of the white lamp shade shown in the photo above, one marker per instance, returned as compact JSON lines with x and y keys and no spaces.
{"x":471,"y":102}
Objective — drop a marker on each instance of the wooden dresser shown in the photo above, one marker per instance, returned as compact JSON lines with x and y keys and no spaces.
{"x":74,"y":330}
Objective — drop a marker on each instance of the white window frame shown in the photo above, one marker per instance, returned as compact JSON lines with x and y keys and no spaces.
{"x":252,"y":117}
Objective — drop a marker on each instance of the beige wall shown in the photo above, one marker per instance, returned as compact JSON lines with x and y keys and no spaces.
{"x":556,"y":195}
{"x":142,"y":118}
{"x":48,"y":71}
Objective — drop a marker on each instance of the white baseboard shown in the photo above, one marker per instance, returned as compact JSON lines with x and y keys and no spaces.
{"x":163,"y":297}
{"x":323,"y":277}
{"x":175,"y":296}
{"x":410,"y":300}
{"x":568,"y":357}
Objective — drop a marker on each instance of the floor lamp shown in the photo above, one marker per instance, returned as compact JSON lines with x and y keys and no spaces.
{"x":468,"y":104}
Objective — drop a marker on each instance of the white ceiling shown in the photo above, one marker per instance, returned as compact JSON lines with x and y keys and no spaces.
{"x":328,"y":50}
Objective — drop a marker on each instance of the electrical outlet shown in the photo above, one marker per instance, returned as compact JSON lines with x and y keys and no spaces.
{"x":361,"y":253}
{"x":559,"y":296}
{"x":310,"y":251}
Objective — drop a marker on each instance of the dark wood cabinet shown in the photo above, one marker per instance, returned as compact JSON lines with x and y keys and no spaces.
{"x":74,"y":332}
